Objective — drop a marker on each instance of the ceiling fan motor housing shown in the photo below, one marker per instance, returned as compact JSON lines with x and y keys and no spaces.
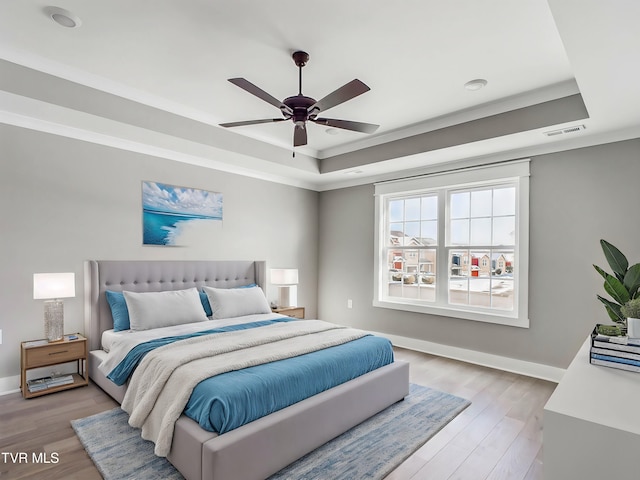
{"x":300,"y":105}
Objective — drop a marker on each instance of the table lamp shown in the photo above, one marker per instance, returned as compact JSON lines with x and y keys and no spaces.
{"x":287,"y":280}
{"x":52,"y":287}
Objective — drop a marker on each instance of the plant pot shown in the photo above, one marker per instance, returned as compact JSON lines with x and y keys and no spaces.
{"x":633,"y":327}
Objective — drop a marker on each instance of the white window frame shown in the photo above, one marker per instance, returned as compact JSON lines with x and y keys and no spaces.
{"x":515,"y":172}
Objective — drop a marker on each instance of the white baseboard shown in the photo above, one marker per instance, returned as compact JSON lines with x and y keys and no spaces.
{"x":9,"y":385}
{"x":521,"y":367}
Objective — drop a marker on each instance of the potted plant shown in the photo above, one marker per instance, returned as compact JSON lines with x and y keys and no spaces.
{"x":631,"y":310}
{"x":622,"y":286}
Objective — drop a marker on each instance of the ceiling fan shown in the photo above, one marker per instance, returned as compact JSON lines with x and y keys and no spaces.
{"x":300,"y":108}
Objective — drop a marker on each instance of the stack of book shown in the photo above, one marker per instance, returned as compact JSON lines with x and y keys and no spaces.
{"x":39,"y":384}
{"x":615,"y":351}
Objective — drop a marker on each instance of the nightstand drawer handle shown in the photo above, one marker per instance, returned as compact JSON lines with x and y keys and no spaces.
{"x":58,"y":353}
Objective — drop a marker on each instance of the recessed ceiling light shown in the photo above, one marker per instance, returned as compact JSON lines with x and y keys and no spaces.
{"x":63,"y":17}
{"x":476,"y":84}
{"x":332,"y":131}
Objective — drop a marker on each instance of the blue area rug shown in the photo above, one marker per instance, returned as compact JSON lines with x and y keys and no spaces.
{"x":370,"y":450}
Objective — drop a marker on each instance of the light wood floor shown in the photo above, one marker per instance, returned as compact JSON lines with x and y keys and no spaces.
{"x":498,"y":437}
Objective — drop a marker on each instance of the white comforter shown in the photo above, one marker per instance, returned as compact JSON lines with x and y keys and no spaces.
{"x":162,"y":384}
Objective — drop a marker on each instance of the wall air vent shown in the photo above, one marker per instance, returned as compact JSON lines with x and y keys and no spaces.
{"x":562,"y":131}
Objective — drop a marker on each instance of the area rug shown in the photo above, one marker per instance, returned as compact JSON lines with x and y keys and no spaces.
{"x":370,"y":450}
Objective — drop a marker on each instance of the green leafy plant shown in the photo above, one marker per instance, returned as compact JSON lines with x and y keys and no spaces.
{"x":622,"y":286}
{"x":631,"y":309}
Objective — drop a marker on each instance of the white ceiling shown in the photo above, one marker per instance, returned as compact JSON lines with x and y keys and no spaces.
{"x":415,"y":55}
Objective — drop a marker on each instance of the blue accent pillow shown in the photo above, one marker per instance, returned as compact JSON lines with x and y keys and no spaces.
{"x":205,"y":303}
{"x":119,"y":310}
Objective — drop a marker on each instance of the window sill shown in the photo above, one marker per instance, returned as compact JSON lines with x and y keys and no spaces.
{"x":492,"y":317}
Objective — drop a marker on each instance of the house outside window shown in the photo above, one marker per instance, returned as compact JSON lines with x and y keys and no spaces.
{"x":463,"y":240}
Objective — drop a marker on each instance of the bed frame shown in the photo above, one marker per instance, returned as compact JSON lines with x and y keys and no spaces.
{"x":264,"y":446}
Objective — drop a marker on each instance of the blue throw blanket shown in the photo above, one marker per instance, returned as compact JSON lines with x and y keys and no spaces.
{"x":230,"y":400}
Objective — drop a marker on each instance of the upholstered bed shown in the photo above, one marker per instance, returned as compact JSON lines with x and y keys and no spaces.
{"x":259,"y":448}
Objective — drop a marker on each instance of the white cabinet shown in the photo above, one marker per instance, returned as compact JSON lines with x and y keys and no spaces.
{"x":592,"y":423}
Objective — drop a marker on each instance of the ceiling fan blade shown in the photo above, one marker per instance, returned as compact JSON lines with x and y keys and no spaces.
{"x":347,"y":125}
{"x":252,"y":122}
{"x":341,"y":95}
{"x":299,"y":135}
{"x":258,"y":92}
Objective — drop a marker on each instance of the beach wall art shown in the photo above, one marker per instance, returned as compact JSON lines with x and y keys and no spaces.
{"x":178,"y":216}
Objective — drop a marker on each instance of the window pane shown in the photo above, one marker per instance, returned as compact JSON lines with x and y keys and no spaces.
{"x":396,"y":208}
{"x":480,"y":264}
{"x":429,"y":232}
{"x":504,"y":231}
{"x":502,"y":293}
{"x":459,"y":264}
{"x":412,"y":229}
{"x":503,"y":264}
{"x":480,"y":231}
{"x":479,"y":295}
{"x":459,"y":205}
{"x":459,"y":232}
{"x":427,"y":275}
{"x":411,"y":263}
{"x":396,"y":234}
{"x":429,"y":208}
{"x":504,"y":201}
{"x":459,"y":291}
{"x":481,"y":203}
{"x":427,"y":262}
{"x":412,"y":209}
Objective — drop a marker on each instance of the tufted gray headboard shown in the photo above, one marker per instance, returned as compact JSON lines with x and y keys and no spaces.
{"x":154,"y":276}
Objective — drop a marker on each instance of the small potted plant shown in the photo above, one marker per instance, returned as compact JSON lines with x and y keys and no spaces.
{"x":622,"y":286}
{"x":631,"y":310}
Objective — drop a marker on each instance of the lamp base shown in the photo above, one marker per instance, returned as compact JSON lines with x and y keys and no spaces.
{"x":54,"y":320}
{"x":288,"y":296}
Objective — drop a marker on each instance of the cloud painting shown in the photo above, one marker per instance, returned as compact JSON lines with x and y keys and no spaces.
{"x":170,"y":212}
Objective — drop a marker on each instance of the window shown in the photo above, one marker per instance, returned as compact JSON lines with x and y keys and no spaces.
{"x":455,"y":244}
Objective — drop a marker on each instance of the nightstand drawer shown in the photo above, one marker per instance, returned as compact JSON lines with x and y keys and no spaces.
{"x":295,"y":312}
{"x":51,"y":354}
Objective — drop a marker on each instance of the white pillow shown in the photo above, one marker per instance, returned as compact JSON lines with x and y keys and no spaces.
{"x":236,"y":302}
{"x":163,"y":309}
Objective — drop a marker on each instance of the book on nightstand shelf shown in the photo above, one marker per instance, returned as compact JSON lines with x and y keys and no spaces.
{"x":615,"y":351}
{"x":38,"y":384}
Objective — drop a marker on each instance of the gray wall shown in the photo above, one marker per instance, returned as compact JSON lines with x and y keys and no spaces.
{"x":577,"y":198}
{"x":64,"y":201}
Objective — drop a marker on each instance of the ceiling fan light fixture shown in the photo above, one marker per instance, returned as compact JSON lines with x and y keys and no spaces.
{"x":63,"y":17}
{"x":476,"y":84}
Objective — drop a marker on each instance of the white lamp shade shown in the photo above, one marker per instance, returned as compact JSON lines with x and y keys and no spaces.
{"x":284,"y":276}
{"x":54,"y":285}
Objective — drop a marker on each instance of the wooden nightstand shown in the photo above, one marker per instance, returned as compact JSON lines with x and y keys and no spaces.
{"x":295,"y":312}
{"x":39,"y":353}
